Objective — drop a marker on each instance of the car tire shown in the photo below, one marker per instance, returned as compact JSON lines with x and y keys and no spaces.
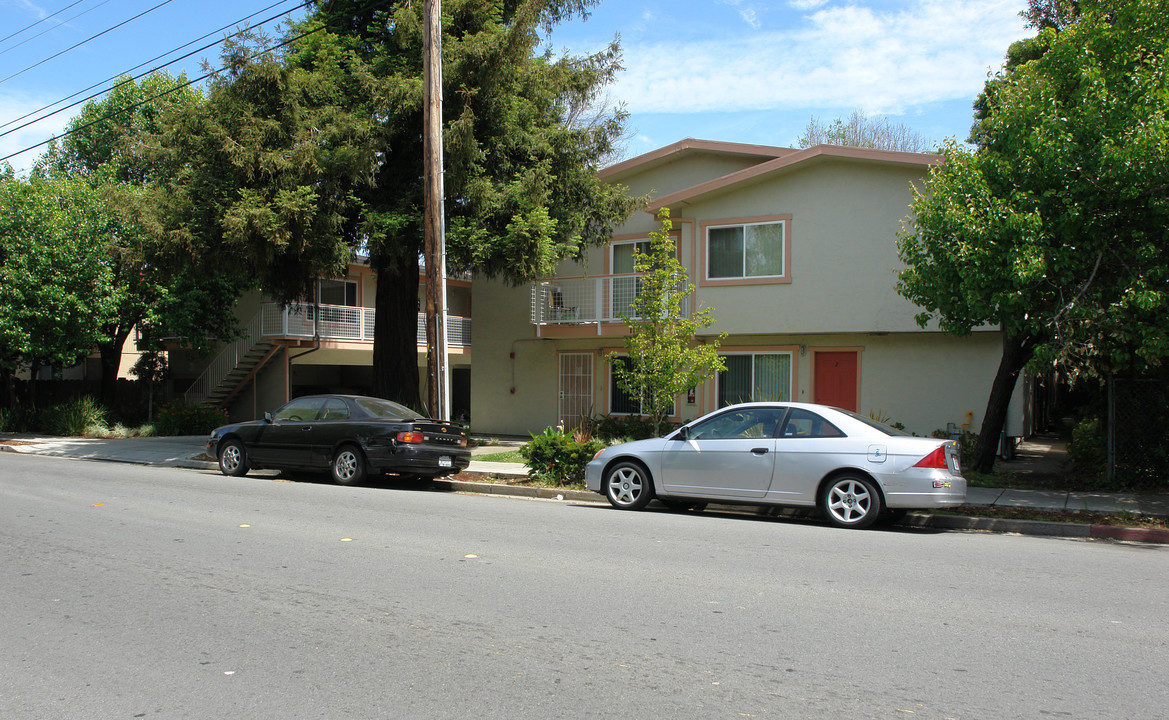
{"x":628,"y":486}
{"x":348,"y":466}
{"x":233,"y":458}
{"x":850,"y":501}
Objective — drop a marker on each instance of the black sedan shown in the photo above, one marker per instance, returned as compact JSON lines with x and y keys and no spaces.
{"x":350,"y":435}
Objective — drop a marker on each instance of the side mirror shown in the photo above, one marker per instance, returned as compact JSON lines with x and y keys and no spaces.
{"x":268,"y":417}
{"x":683,"y":434}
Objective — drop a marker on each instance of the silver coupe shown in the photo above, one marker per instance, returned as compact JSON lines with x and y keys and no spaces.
{"x":854,"y":469}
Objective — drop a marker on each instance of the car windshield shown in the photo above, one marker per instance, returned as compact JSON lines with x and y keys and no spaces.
{"x":875,"y":424}
{"x":385,"y":408}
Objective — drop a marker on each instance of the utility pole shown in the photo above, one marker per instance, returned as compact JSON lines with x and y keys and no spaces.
{"x":437,"y":368}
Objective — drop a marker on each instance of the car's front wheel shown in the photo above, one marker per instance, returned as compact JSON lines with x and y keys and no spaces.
{"x":851,"y":501}
{"x":233,"y":458}
{"x":628,"y":486}
{"x":349,"y":466}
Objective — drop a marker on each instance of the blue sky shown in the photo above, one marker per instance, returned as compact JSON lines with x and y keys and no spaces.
{"x":735,"y":70}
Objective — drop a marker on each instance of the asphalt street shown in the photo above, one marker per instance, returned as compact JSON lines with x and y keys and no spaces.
{"x":133,"y":591}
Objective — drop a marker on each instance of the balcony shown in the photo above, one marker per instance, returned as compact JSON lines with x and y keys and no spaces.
{"x":342,"y":322}
{"x":583,"y":301}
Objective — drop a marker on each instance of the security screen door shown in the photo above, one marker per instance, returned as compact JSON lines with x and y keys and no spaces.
{"x":576,"y":388}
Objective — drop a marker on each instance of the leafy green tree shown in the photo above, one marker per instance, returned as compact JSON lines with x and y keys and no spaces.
{"x":1055,"y":228}
{"x":155,"y":288}
{"x":861,"y":130}
{"x":663,"y":358}
{"x":299,"y":160}
{"x":55,"y":289}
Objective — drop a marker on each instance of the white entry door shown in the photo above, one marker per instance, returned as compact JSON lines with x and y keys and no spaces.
{"x":576,"y":388}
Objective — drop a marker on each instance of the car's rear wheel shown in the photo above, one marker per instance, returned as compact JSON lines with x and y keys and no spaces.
{"x":233,"y":458}
{"x":349,"y":466}
{"x":628,"y":486}
{"x":850,"y":501}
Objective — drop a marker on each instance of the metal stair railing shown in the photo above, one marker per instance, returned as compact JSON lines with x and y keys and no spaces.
{"x":224,"y":363}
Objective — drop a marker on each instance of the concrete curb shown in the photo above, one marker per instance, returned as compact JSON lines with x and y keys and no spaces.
{"x":919,"y":520}
{"x":1040,"y":528}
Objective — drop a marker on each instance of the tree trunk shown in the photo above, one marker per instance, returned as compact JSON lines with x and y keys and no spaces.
{"x":1017,"y":351}
{"x":395,"y":333}
{"x":111,"y":361}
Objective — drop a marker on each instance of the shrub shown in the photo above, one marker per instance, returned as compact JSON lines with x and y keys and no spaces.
{"x":83,"y":416}
{"x":182,"y":418}
{"x":559,"y":457}
{"x":1088,"y":448}
{"x":17,"y":419}
{"x":619,"y":428}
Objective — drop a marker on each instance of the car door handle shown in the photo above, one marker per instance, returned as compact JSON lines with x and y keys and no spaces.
{"x":758,"y":451}
{"x":306,"y":428}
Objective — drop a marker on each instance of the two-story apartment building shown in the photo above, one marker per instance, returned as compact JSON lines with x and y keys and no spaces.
{"x":795,"y":251}
{"x":325,"y":346}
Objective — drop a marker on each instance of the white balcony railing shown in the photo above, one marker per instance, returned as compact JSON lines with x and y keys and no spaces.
{"x":593,"y":300}
{"x":341,"y":322}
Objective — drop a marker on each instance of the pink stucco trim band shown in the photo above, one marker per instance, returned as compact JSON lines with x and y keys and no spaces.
{"x":762,"y":152}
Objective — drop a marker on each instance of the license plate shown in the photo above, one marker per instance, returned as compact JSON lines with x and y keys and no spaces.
{"x":444,"y":461}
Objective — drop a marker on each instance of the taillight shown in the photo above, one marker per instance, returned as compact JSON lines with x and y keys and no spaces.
{"x":935,"y":460}
{"x":412,"y":436}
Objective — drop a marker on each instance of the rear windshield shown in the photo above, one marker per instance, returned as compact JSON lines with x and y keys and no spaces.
{"x":876,"y":425}
{"x":387,"y":409}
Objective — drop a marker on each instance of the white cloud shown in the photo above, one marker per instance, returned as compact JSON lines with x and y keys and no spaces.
{"x":805,"y":5}
{"x":850,"y":56}
{"x":746,"y":11}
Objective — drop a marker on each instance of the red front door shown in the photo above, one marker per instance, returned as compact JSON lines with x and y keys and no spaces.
{"x":835,"y":382}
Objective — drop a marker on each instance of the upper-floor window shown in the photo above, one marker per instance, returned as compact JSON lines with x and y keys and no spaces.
{"x":337,"y":292}
{"x":623,"y":250}
{"x":745,"y":251}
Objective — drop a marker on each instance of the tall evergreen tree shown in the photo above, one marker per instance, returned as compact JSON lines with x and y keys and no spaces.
{"x":301,"y":159}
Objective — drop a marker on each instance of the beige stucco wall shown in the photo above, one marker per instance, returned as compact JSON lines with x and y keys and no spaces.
{"x":844,"y":224}
{"x":688,"y":169}
{"x":845,"y":217}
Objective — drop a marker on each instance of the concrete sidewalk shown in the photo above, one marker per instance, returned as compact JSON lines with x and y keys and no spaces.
{"x":186,"y":452}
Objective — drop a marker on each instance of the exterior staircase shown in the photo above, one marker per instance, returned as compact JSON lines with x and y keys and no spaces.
{"x":225,"y":373}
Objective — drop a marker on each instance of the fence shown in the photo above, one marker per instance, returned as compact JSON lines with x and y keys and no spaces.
{"x":1138,"y":433}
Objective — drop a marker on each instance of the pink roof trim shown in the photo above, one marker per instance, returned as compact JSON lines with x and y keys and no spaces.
{"x":763,"y":152}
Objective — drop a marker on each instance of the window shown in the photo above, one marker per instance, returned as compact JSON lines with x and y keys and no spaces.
{"x":755,"y":377}
{"x":804,"y":424}
{"x":621,"y":402}
{"x":750,"y":250}
{"x":623,"y":255}
{"x":335,"y":409}
{"x":337,"y":292}
{"x":742,"y":424}
{"x":625,"y":289}
{"x":301,"y":409}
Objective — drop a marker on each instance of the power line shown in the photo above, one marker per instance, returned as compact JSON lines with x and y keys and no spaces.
{"x":49,"y":30}
{"x":176,"y":88}
{"x":38,"y":22}
{"x":93,"y":37}
{"x":140,"y":75}
{"x":115,"y":113}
